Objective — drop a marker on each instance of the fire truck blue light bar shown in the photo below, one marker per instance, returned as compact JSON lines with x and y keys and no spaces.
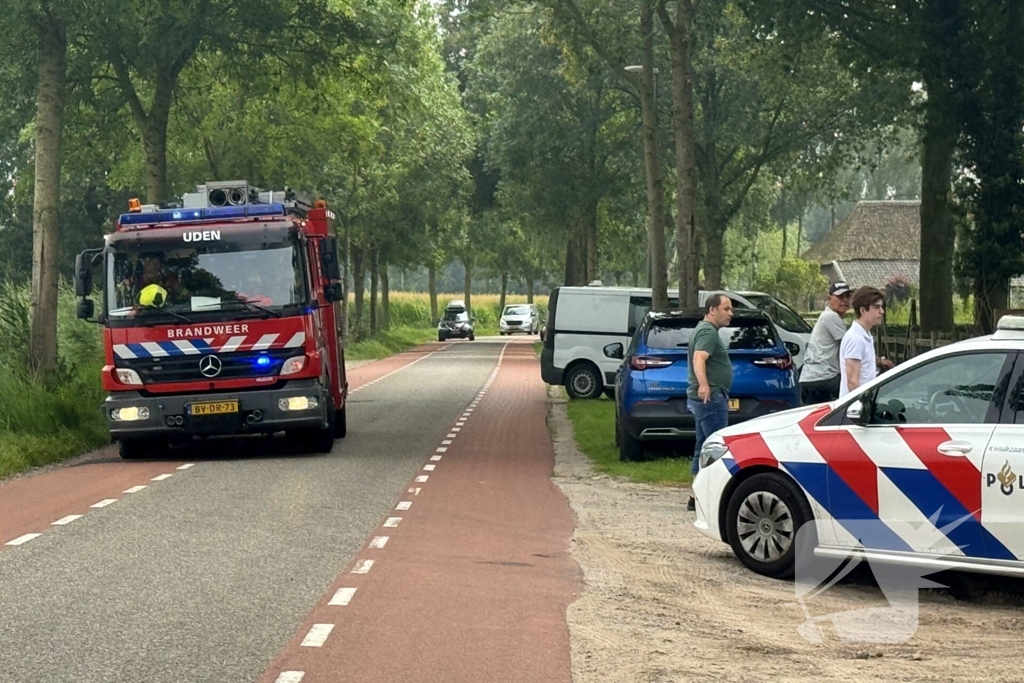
{"x":197,"y":215}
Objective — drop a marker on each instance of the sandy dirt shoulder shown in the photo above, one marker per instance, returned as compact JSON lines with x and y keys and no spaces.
{"x":664,"y":603}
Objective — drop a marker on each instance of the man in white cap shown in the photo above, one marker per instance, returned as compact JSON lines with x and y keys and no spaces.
{"x":820,"y":375}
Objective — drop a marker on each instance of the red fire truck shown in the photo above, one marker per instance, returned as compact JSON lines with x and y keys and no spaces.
{"x":220,"y":317}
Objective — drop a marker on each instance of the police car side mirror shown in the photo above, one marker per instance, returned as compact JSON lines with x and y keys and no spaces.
{"x":857,"y":412}
{"x":85,"y":309}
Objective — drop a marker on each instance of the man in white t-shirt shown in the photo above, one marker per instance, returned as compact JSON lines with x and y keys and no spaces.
{"x":857,"y":362}
{"x":819,"y":376}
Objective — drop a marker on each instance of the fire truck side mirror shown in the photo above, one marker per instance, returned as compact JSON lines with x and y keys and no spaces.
{"x":329,"y":259}
{"x":85,"y":309}
{"x":83,"y":275}
{"x":332,"y":292}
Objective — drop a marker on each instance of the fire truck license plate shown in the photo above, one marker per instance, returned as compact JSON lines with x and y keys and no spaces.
{"x":214,"y":408}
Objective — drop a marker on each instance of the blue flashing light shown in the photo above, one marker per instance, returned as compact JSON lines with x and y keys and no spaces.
{"x":263,"y":361}
{"x":198,"y":215}
{"x":225,"y":212}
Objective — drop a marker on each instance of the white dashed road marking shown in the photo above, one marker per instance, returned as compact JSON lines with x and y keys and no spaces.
{"x":66,"y":520}
{"x":392,"y":521}
{"x":161,"y":477}
{"x":430,"y":468}
{"x":134,"y":489}
{"x":104,"y":503}
{"x":422,"y":479}
{"x":379,"y":542}
{"x":435,"y":458}
{"x":362,"y":567}
{"x":317,"y":635}
{"x":290,"y":677}
{"x":404,"y":505}
{"x":23,"y":539}
{"x":185,"y":467}
{"x":343,"y":596}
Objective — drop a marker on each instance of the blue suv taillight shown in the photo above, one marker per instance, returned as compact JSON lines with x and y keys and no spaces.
{"x":780,"y":362}
{"x":649,"y":362}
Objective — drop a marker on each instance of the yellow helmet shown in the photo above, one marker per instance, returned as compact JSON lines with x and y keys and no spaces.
{"x":152,"y":295}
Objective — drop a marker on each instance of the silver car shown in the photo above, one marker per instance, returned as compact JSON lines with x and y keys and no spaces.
{"x":519,"y":318}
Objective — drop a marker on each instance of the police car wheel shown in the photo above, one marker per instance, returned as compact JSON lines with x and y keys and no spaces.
{"x":764,"y":514}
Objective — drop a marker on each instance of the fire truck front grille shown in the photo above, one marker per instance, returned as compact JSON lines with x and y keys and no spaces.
{"x":237,"y":365}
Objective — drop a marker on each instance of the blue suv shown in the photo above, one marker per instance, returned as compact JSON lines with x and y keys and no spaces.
{"x":650,"y":384}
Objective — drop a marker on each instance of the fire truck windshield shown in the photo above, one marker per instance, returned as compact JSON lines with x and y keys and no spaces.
{"x":204,"y":279}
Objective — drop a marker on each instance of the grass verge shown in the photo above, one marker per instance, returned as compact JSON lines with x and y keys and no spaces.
{"x":39,"y":426}
{"x":593,"y":424}
{"x":390,"y":342}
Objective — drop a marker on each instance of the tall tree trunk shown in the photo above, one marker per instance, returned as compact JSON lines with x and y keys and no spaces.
{"x":52,"y":60}
{"x":938,"y":231}
{"x":715,"y":257}
{"x":468,"y":285}
{"x":785,"y":234}
{"x":152,"y":124}
{"x":652,"y":164}
{"x":359,"y":285}
{"x":590,"y":242}
{"x":576,"y":254}
{"x":570,"y":261}
{"x":680,"y":42}
{"x":800,"y":231}
{"x":714,"y":222}
{"x":504,"y":291}
{"x":385,"y":297}
{"x":529,"y":288}
{"x":374,"y":278}
{"x":432,"y":286}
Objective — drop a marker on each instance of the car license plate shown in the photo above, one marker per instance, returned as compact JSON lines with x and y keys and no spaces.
{"x":214,"y":408}
{"x":734,"y":404}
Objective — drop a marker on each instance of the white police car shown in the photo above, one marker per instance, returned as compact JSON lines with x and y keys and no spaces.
{"x":923,"y":467}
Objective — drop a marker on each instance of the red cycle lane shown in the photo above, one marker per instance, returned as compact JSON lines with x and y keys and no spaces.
{"x":470,"y":576}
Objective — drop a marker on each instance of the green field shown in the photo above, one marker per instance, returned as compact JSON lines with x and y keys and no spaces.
{"x":594,"y":428}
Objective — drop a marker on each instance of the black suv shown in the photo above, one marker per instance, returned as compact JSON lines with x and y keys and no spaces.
{"x":456,"y":323}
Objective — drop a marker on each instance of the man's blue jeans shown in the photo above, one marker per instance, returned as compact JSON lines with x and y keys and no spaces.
{"x":708,"y":418}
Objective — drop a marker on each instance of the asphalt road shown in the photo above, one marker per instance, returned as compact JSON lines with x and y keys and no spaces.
{"x":204,"y":576}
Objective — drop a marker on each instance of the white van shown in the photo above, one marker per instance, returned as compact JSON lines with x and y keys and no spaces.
{"x":583,"y":320}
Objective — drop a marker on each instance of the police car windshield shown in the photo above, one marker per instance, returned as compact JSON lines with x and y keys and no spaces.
{"x":205,"y":278}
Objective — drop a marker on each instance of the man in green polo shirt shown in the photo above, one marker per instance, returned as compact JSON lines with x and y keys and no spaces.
{"x":710,"y":379}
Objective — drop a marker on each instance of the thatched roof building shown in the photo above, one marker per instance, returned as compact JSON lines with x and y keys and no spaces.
{"x":879,"y":240}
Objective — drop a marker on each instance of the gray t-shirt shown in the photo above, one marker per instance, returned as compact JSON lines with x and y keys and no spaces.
{"x":821,"y":361}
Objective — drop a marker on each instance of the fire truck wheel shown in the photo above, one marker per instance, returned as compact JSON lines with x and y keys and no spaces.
{"x":317,"y":440}
{"x":340,"y":427}
{"x":135,"y":449}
